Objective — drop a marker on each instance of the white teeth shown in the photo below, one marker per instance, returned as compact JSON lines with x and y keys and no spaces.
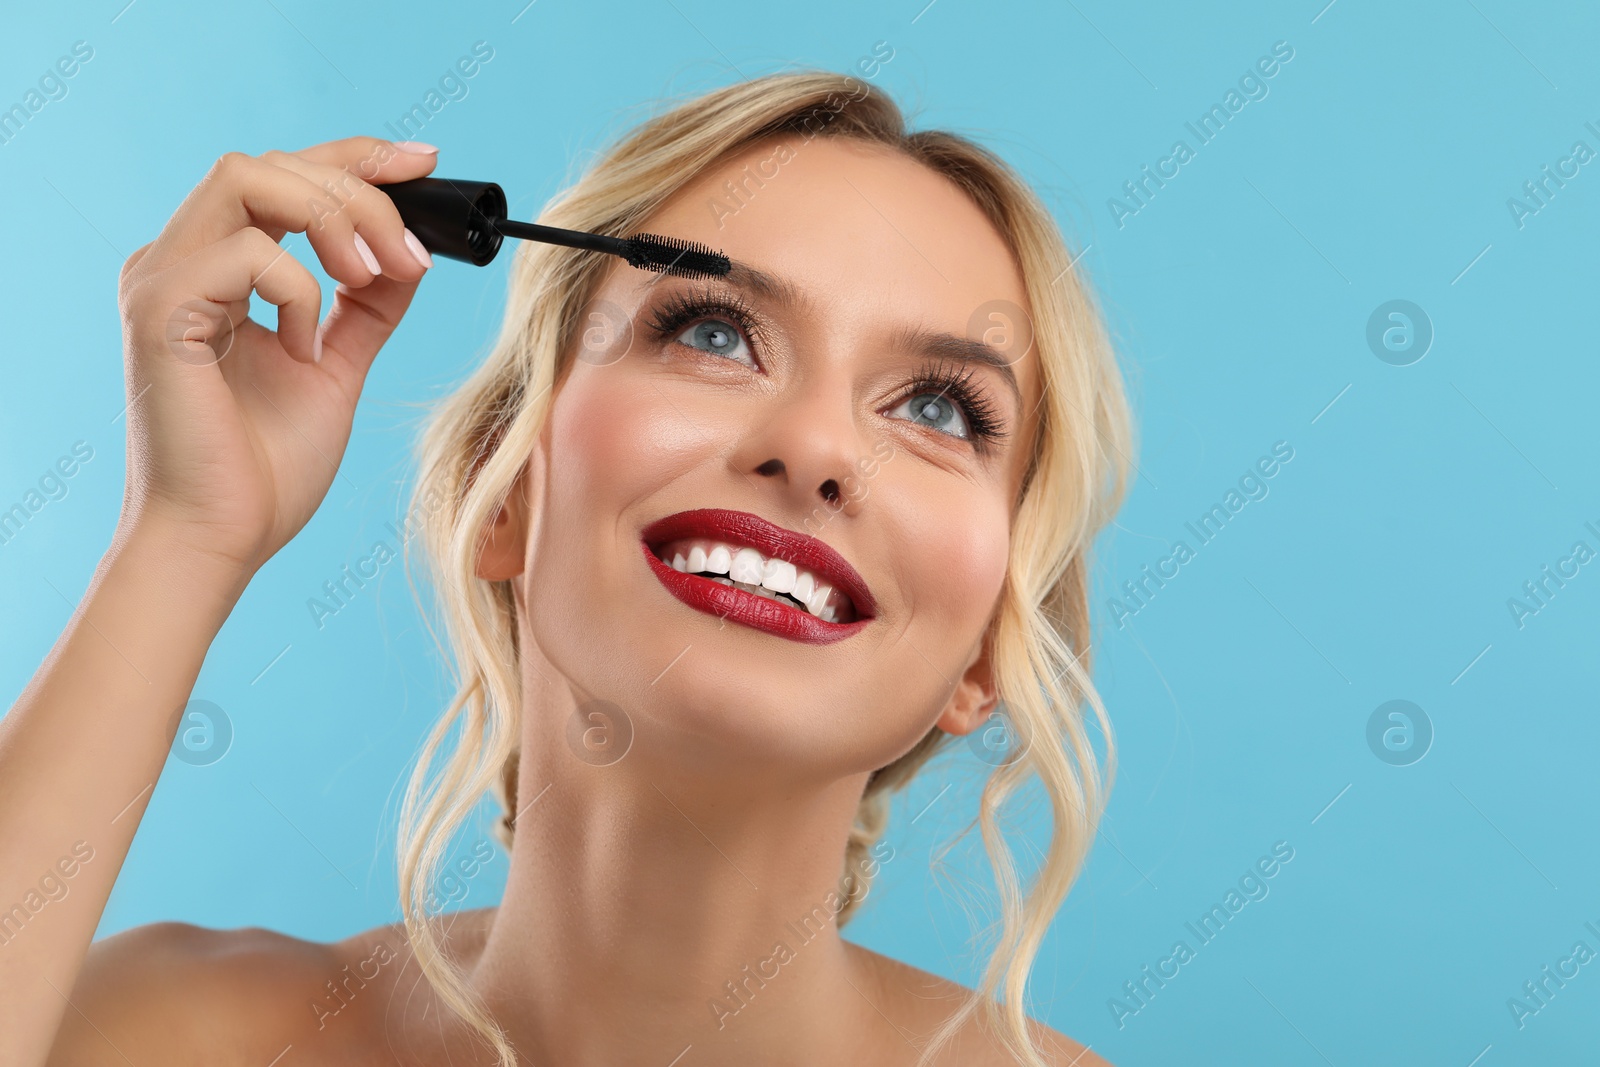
{"x":746,"y":567}
{"x":778,"y":575}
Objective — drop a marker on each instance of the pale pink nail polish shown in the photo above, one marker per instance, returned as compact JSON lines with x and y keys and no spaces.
{"x":417,"y":250}
{"x":419,"y":148}
{"x":364,"y":250}
{"x":316,"y":346}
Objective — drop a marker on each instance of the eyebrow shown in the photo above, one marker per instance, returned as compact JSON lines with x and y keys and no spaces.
{"x":771,"y":286}
{"x":932,"y":343}
{"x":940,"y":345}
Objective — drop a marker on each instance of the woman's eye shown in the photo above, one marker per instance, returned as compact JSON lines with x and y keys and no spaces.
{"x":719,"y":337}
{"x":935,"y":410}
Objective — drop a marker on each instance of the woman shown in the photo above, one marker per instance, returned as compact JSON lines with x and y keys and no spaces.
{"x":696,"y":772}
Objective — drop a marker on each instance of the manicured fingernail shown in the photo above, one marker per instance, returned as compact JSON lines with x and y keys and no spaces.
{"x":316,"y":346}
{"x":418,"y":148}
{"x":417,"y":250}
{"x":365,"y":252}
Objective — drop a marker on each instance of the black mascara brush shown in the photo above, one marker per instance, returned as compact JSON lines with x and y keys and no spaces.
{"x":467,"y":221}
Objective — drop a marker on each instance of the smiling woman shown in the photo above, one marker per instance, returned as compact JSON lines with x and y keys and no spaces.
{"x":624,"y":528}
{"x":720,"y":578}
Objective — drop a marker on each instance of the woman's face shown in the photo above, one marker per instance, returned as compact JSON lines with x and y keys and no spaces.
{"x":803,"y":391}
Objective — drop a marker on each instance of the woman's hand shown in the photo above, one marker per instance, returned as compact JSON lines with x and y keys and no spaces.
{"x":235,"y":431}
{"x":234,"y":435}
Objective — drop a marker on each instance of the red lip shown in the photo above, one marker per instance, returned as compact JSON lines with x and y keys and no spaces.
{"x":743,"y":528}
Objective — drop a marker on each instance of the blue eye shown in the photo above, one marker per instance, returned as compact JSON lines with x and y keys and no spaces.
{"x":934,"y":410}
{"x":945,"y":399}
{"x":719,"y":337}
{"x":718,"y":323}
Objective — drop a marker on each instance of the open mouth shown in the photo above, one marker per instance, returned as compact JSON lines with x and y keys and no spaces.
{"x":741,"y":567}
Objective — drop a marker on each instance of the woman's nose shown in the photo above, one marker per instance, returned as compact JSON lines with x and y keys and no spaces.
{"x":809,"y":451}
{"x":829,"y":489}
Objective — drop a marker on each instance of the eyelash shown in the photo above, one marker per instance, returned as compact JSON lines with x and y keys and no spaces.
{"x":983,"y":420}
{"x":680,"y":309}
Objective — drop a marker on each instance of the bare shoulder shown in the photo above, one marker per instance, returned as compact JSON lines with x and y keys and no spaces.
{"x":922,"y":1000}
{"x":174,"y":993}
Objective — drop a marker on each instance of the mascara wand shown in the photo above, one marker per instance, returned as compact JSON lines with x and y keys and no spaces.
{"x":466,"y":220}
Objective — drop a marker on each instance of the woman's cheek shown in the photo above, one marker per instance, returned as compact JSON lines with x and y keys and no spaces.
{"x":944,"y":551}
{"x":966,"y":558}
{"x":611,"y":429}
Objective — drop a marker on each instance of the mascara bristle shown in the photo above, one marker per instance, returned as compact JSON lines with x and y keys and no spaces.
{"x":673,"y":255}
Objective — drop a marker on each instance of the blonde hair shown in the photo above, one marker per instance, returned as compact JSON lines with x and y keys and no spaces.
{"x":477,"y":441}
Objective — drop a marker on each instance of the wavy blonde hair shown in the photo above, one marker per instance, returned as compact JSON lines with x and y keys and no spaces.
{"x":478,"y":438}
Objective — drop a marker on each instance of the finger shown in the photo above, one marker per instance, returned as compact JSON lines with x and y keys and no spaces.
{"x":226,"y":272}
{"x":360,"y":322}
{"x":373,"y":159}
{"x":242,"y":191}
{"x":371,"y":212}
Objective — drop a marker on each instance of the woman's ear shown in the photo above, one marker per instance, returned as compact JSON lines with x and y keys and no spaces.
{"x":975,"y":695}
{"x":503,"y":547}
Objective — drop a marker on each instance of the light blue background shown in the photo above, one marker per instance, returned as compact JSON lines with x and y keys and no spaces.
{"x":1379,"y":567}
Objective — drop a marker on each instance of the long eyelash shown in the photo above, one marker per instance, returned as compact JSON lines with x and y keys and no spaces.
{"x":682,"y":308}
{"x":982,"y":414}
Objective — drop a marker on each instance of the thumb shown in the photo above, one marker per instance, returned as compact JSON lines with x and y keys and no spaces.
{"x":359,"y":323}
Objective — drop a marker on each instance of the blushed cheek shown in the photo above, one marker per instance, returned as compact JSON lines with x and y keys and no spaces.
{"x":964,"y":568}
{"x":618,"y":436}
{"x":585,"y":554}
{"x":602,"y":429}
{"x":950,"y":564}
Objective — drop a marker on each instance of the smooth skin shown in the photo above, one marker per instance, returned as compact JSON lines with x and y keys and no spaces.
{"x":638,"y":888}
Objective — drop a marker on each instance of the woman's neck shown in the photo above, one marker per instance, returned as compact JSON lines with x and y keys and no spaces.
{"x":648,"y":909}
